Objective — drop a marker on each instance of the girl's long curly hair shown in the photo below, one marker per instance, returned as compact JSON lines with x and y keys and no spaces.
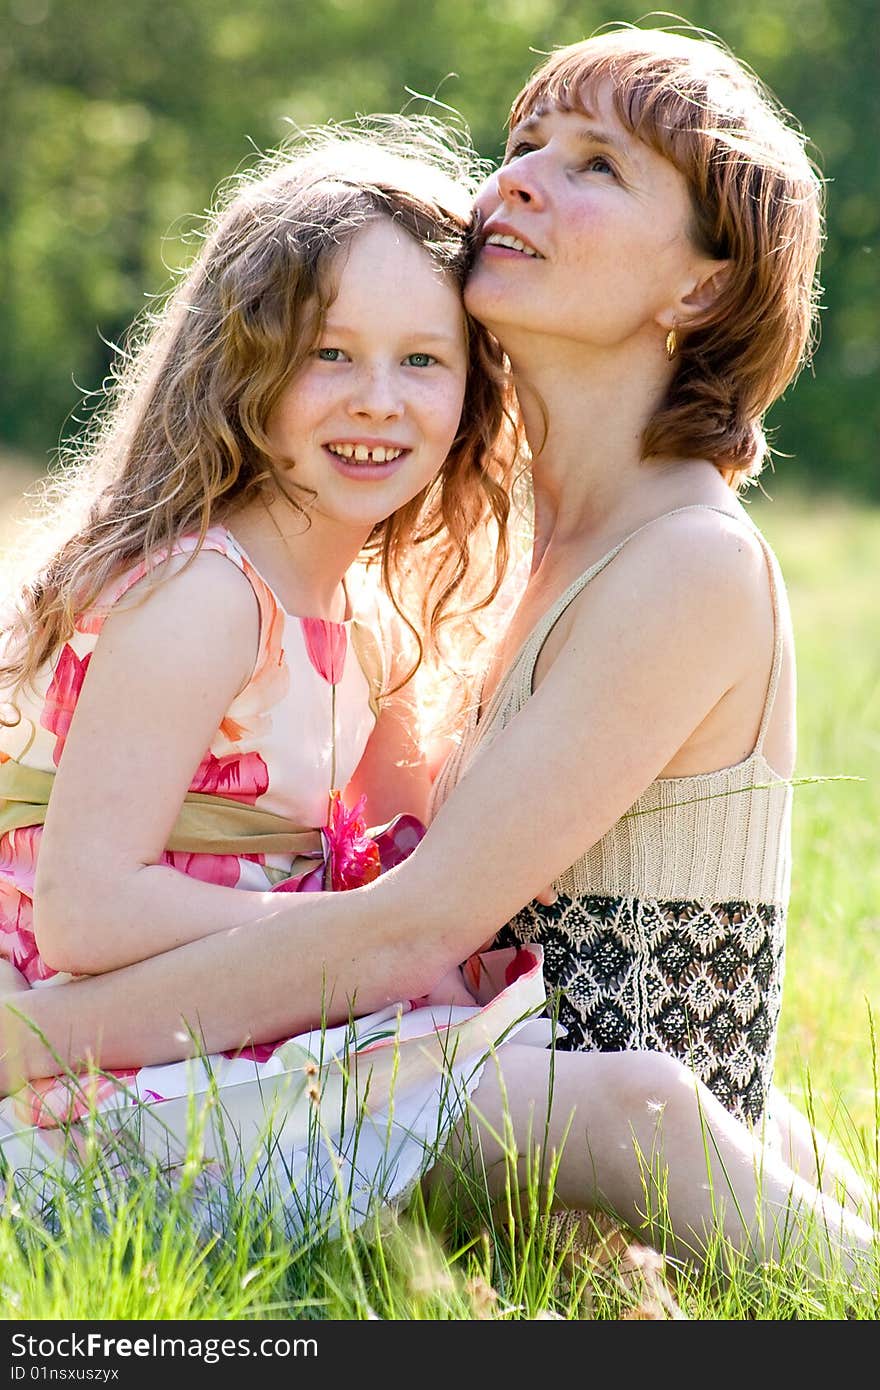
{"x":757,"y":203}
{"x":181,"y":441}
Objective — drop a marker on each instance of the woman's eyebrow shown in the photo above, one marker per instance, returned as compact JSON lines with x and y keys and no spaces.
{"x":592,"y":135}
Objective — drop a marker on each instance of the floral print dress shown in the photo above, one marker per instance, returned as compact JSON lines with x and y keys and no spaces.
{"x":356,"y":1109}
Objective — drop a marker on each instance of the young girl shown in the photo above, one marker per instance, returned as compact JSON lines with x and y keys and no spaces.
{"x":199,"y":667}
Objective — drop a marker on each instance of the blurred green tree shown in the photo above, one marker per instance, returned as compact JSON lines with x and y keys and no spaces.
{"x":118,"y":121}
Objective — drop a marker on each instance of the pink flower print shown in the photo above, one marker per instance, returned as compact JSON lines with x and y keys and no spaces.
{"x":18,"y":855}
{"x":353,"y":856}
{"x":249,"y":717}
{"x":221,"y":869}
{"x":92,"y":620}
{"x":397,"y":840}
{"x":523,"y":962}
{"x":17,"y":944}
{"x":256,"y":1052}
{"x":326,"y":645}
{"x":18,"y":851}
{"x":59,"y":1100}
{"x":244,"y":778}
{"x":310,"y":882}
{"x":62,"y":695}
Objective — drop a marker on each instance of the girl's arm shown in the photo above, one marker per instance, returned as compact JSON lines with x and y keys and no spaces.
{"x":650,"y":650}
{"x":160,"y":680}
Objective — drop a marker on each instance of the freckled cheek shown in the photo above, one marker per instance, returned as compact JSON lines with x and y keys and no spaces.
{"x":302,"y":410}
{"x":443,"y":413}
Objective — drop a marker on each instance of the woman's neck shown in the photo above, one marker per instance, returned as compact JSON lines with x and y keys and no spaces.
{"x":585,"y":414}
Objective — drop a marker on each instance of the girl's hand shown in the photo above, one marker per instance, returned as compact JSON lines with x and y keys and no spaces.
{"x":11,"y":980}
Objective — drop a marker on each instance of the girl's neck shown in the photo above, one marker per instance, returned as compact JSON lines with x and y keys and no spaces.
{"x":303,"y":559}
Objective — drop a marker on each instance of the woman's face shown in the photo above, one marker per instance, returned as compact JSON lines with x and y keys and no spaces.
{"x":585,"y":234}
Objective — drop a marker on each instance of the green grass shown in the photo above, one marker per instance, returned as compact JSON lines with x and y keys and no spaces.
{"x":828,"y":551}
{"x":141,"y":1253}
{"x":139,"y":1248}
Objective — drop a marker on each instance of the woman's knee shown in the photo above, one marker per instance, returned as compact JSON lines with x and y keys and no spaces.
{"x":654,"y":1083}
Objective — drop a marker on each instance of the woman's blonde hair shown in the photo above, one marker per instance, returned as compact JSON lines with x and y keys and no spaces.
{"x":757,"y":203}
{"x":182,"y":439}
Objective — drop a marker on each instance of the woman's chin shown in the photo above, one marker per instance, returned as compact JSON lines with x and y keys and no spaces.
{"x":491,"y":305}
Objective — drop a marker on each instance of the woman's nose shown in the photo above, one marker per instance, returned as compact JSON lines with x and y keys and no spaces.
{"x":519,"y":182}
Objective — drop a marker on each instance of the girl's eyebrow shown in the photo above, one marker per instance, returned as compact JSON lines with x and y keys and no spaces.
{"x":416,"y":335}
{"x":421,"y":335}
{"x":427,"y":336}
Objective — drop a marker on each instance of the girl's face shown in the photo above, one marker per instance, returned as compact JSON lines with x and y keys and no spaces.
{"x":601,"y":248}
{"x":370,"y":418}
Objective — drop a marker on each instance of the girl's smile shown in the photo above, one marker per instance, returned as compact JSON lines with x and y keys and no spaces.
{"x":367,"y":460}
{"x":379,"y":400}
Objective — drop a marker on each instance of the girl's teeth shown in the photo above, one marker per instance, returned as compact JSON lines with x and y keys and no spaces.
{"x":361,"y":454}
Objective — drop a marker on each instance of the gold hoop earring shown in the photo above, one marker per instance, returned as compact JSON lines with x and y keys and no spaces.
{"x":671,"y":345}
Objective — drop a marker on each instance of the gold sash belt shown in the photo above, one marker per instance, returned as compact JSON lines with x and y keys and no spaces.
{"x":206,"y":824}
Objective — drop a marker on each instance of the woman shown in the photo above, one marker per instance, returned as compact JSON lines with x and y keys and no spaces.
{"x":633,"y":264}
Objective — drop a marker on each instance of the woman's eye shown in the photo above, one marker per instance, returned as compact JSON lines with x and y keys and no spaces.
{"x":329,"y":354}
{"x":420,"y":359}
{"x":598,"y":164}
{"x":521,"y":147}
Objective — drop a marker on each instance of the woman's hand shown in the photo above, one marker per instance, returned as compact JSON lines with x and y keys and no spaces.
{"x":450,"y":989}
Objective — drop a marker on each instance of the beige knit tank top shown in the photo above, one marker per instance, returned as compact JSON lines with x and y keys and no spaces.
{"x":668,"y":932}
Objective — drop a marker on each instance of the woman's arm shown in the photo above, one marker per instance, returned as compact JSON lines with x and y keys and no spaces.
{"x":649,"y":653}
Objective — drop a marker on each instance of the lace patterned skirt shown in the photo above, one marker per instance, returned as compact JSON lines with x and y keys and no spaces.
{"x":702,"y":981}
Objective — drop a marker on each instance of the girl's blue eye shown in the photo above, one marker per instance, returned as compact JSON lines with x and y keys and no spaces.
{"x":600,"y":164}
{"x":421,"y":359}
{"x":329,"y":354}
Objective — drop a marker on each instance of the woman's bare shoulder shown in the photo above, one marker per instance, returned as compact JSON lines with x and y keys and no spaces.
{"x":705,"y":540}
{"x":699,"y":564}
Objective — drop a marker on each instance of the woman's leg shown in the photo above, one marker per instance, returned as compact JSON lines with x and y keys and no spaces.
{"x":811,"y":1155}
{"x":637,"y":1132}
